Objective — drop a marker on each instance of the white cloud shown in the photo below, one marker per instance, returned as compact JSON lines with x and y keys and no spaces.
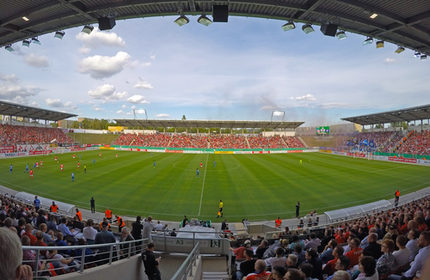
{"x":307,"y":97}
{"x":84,"y":50}
{"x":152,"y":57}
{"x":36,"y":60}
{"x":140,"y":111}
{"x":143,"y":85}
{"x":54,"y":102}
{"x":137,"y":99}
{"x":123,"y":106}
{"x":106,"y":92}
{"x":104,"y":66}
{"x":162,"y":115}
{"x":389,"y":60}
{"x":269,"y":108}
{"x":96,"y":108}
{"x":133,"y":107}
{"x":12,"y":90}
{"x":119,"y":112}
{"x":99,"y":38}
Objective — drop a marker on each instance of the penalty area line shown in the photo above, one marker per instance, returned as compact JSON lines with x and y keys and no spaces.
{"x":203,"y":185}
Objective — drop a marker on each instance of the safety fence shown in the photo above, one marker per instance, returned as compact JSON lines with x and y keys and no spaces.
{"x":56,"y":260}
{"x":186,"y":269}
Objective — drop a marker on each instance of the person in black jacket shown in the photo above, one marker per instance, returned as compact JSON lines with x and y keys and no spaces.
{"x":151,"y":263}
{"x":136,"y":230}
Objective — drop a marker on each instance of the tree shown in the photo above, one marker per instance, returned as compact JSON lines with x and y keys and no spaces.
{"x":184,"y":118}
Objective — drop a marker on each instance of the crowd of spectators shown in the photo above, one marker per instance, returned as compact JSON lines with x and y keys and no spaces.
{"x":42,"y":228}
{"x":417,"y":143}
{"x":14,"y":135}
{"x":216,"y":141}
{"x":394,"y":245}
{"x":370,"y":141}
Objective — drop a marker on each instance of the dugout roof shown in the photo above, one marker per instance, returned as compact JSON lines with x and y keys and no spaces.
{"x":11,"y":109}
{"x":403,"y":22}
{"x":404,"y":115}
{"x":208,"y":124}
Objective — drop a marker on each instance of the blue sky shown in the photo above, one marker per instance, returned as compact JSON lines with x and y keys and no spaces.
{"x":242,"y":70}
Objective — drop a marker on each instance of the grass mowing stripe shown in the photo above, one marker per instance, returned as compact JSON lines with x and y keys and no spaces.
{"x":203,"y":185}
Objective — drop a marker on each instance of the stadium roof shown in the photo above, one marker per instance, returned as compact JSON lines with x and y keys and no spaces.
{"x":404,"y":115}
{"x":405,"y":23}
{"x":10,"y":109}
{"x":208,"y":124}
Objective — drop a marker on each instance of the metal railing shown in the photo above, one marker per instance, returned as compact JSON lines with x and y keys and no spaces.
{"x":46,"y":261}
{"x":186,"y":269}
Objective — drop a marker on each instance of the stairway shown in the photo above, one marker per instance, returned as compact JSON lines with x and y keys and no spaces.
{"x":219,"y":275}
{"x":303,"y":142}
{"x":247,"y":142}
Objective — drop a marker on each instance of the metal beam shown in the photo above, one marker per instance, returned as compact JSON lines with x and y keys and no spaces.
{"x":78,"y":7}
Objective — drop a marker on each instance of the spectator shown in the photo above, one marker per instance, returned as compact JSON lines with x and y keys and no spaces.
{"x":387,"y":261}
{"x":151,"y":263}
{"x":367,"y":267}
{"x":89,"y":232}
{"x":412,"y":244}
{"x":240,"y":251}
{"x":294,"y":274}
{"x":246,"y":267}
{"x":341,"y":264}
{"x":124,"y":248}
{"x":313,"y":243}
{"x":313,"y":259}
{"x":278,"y":273}
{"x":147,"y":228}
{"x":307,"y":269}
{"x":104,"y":237}
{"x":11,"y":256}
{"x":137,"y":228}
{"x":373,"y":248}
{"x":259,"y":252}
{"x":278,"y":260}
{"x":260,"y":271}
{"x":402,"y":255}
{"x":327,"y":253}
{"x":355,"y":252}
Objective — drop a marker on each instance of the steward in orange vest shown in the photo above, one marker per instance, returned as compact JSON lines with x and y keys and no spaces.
{"x":278,"y":222}
{"x":53,"y":208}
{"x":120,"y":223}
{"x":108,"y":214}
{"x":79,"y":214}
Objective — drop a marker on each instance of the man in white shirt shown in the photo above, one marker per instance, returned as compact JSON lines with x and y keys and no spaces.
{"x":89,"y":232}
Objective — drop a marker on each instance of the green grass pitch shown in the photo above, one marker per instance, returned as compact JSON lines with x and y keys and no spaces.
{"x":257,"y":187}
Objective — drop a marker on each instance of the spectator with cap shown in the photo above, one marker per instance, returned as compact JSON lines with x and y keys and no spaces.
{"x":239,"y":252}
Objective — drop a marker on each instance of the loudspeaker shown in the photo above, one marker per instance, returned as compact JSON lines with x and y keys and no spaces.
{"x":106,"y":23}
{"x":329,"y":29}
{"x":220,"y":13}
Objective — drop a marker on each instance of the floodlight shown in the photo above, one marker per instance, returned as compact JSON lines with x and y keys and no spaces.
{"x":341,"y":35}
{"x":87,"y":29}
{"x":379,"y":44}
{"x":417,"y":54}
{"x":26,"y":43}
{"x":423,"y":56}
{"x":182,"y":20}
{"x":289,"y":26}
{"x":307,"y":28}
{"x":59,"y":34}
{"x":34,"y":40}
{"x":9,"y":48}
{"x":204,"y":20}
{"x":368,"y":41}
{"x":25,"y":18}
{"x":373,"y":16}
{"x":399,"y":50}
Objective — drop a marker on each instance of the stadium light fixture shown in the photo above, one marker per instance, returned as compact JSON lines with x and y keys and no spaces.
{"x":307,"y":28}
{"x":87,"y":29}
{"x":204,"y":20}
{"x":59,"y":34}
{"x":379,"y":44}
{"x":373,"y":16}
{"x":417,"y":54}
{"x":34,"y":40}
{"x":368,"y":41}
{"x":26,"y":43}
{"x":25,"y":18}
{"x":9,"y":48}
{"x":423,"y":56}
{"x":341,"y":35}
{"x":399,"y":49}
{"x":182,"y":20}
{"x":289,"y":26}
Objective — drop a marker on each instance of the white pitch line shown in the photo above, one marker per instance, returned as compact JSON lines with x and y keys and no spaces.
{"x":203,"y":185}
